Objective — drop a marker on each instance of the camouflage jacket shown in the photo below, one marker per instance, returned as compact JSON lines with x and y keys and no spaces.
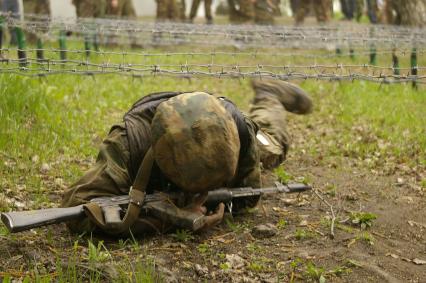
{"x":138,"y":124}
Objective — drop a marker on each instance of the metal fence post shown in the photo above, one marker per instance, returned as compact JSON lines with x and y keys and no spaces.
{"x":1,"y":32}
{"x":395,"y":63}
{"x":414,"y":67}
{"x":62,"y":45}
{"x":39,"y":50}
{"x":22,"y":54}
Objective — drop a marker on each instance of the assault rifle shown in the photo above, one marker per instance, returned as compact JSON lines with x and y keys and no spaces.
{"x":160,"y":205}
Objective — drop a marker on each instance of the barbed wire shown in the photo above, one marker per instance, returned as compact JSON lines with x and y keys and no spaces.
{"x":286,"y":52}
{"x":154,"y":33}
{"x":204,"y":64}
{"x":319,"y":54}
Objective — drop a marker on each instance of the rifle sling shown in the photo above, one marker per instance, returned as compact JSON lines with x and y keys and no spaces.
{"x":136,"y":195}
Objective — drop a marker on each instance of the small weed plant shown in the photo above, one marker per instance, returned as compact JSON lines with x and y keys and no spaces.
{"x":363,"y":219}
{"x":182,"y":235}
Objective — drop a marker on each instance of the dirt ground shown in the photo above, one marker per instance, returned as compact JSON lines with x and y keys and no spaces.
{"x":297,"y":246}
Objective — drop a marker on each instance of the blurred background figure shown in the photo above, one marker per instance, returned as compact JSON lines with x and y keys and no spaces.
{"x":265,"y":10}
{"x":260,"y":12}
{"x":322,"y":9}
{"x":182,"y":10}
{"x":167,"y":10}
{"x":207,"y":10}
{"x":372,"y":10}
{"x":348,"y":8}
{"x":41,"y":8}
{"x":12,"y":7}
{"x":241,"y":11}
{"x":403,"y":12}
{"x":294,"y":4}
{"x":120,"y":8}
{"x":90,"y":8}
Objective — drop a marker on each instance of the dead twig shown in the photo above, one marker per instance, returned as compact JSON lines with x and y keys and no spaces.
{"x":333,"y":216}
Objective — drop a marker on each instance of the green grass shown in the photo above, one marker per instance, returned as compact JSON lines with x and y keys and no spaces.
{"x":363,"y":120}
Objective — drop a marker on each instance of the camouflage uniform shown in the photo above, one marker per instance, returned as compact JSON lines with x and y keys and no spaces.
{"x":39,"y":7}
{"x":241,"y":11}
{"x":122,"y":152}
{"x":182,"y":10}
{"x":124,"y":9}
{"x":90,"y":8}
{"x":259,"y":11}
{"x":322,"y":10}
{"x":264,"y":11}
{"x":167,"y":10}
{"x":207,"y":9}
{"x":10,"y":6}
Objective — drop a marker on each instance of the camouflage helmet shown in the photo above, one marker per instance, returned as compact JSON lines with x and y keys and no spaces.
{"x":195,"y":142}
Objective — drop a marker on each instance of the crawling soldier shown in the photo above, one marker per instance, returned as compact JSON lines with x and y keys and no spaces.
{"x":190,"y":142}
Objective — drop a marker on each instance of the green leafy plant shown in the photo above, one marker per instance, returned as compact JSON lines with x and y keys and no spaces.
{"x":122,"y":243}
{"x":315,"y":273}
{"x":236,"y":227}
{"x":366,"y":237}
{"x":363,"y":219}
{"x":253,"y":248}
{"x":144,"y":272}
{"x":183,"y":235}
{"x":97,"y":253}
{"x":302,"y":234}
{"x":135,"y":243}
{"x":256,"y":266}
{"x":331,"y":190}
{"x":295,"y":264}
{"x":282,"y":175}
{"x":203,"y":248}
{"x":340,"y":270}
{"x":282,"y":223}
{"x":224,"y":266}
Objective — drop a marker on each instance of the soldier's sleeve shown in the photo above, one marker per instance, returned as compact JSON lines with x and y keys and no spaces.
{"x":108,"y":177}
{"x":249,"y":168}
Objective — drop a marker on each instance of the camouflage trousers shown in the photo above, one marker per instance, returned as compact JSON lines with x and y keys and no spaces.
{"x":124,"y":9}
{"x":110,"y":176}
{"x":241,"y":11}
{"x":270,"y":115}
{"x":322,"y":10}
{"x":207,"y":9}
{"x":90,"y":8}
{"x":182,"y":10}
{"x":264,"y":12}
{"x":245,"y":11}
{"x":167,"y":10}
{"x":40,"y":7}
{"x":10,"y":6}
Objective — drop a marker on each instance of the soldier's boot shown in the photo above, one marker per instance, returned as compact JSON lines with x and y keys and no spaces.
{"x":293,"y":98}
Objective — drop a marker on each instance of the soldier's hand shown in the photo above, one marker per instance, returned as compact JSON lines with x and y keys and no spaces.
{"x":212,"y":218}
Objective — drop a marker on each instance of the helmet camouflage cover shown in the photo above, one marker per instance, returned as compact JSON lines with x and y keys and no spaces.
{"x":195,"y":142}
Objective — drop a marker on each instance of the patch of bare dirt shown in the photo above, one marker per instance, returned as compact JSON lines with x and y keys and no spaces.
{"x":299,"y":247}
